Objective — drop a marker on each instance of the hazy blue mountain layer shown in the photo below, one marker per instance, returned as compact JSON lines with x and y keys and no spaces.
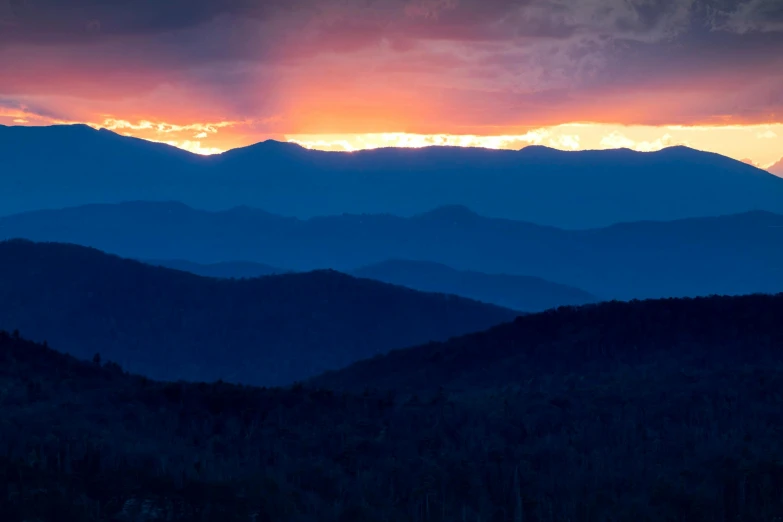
{"x":51,"y":167}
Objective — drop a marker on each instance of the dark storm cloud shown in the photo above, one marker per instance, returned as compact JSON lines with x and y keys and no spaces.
{"x":749,"y":16}
{"x":88,"y":20}
{"x":367,"y":21}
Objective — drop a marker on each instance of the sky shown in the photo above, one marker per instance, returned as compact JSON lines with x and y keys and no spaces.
{"x":211,"y":75}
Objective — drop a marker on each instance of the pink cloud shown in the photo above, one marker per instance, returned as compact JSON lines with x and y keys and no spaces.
{"x":777,"y":168}
{"x":432,"y":66}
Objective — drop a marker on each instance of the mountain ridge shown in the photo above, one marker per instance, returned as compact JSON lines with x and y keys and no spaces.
{"x":172,"y":325}
{"x":523,"y":293}
{"x":570,"y":341}
{"x":568,"y":189}
{"x":291,"y":145}
{"x":735,"y":254}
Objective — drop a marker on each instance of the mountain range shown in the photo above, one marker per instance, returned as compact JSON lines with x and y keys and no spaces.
{"x":172,"y":325}
{"x":136,"y":388}
{"x":59,"y":166}
{"x":733,"y":254}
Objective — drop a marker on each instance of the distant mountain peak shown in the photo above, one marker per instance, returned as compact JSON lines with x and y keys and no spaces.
{"x":543,"y":149}
{"x":689,"y":151}
{"x":281,"y":144}
{"x":539,"y":148}
{"x":64,"y":127}
{"x":80,"y":127}
{"x":265,"y":146}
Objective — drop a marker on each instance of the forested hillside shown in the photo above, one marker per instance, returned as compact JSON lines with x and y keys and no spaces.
{"x":692,"y":437}
{"x":572,"y":342}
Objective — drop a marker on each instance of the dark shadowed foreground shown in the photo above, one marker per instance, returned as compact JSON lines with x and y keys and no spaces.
{"x":646,"y":412}
{"x":575,"y":341}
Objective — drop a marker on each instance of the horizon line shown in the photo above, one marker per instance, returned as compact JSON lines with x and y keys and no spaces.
{"x":409,"y":141}
{"x":738,"y":142}
{"x":298,"y":143}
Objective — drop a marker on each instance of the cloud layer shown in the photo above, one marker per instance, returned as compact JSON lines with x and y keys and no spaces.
{"x":470,"y":67}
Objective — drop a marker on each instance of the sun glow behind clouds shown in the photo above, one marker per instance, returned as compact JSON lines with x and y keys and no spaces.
{"x":759,"y":145}
{"x":354,"y":142}
{"x":203,"y":129}
{"x":195,"y":147}
{"x":763,"y":144}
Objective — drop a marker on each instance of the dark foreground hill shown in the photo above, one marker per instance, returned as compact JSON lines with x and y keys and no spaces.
{"x":537,"y":184}
{"x":174,"y":325}
{"x":600,"y":426}
{"x":527,"y":294}
{"x":637,"y":337}
{"x":734,"y":254}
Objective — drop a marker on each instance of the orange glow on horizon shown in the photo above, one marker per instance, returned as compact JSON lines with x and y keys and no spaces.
{"x":760,"y":145}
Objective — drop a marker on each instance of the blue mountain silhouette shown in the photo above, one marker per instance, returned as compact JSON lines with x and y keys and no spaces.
{"x":58,"y":166}
{"x":524,"y":293}
{"x":172,"y":325}
{"x":521,"y":293}
{"x":732,"y":254}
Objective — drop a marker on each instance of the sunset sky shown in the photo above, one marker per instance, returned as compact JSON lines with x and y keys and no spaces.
{"x":210,"y":75}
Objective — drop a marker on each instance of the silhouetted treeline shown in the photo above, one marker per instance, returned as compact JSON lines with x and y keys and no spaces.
{"x":664,"y":411}
{"x":169,"y":324}
{"x":611,"y":336}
